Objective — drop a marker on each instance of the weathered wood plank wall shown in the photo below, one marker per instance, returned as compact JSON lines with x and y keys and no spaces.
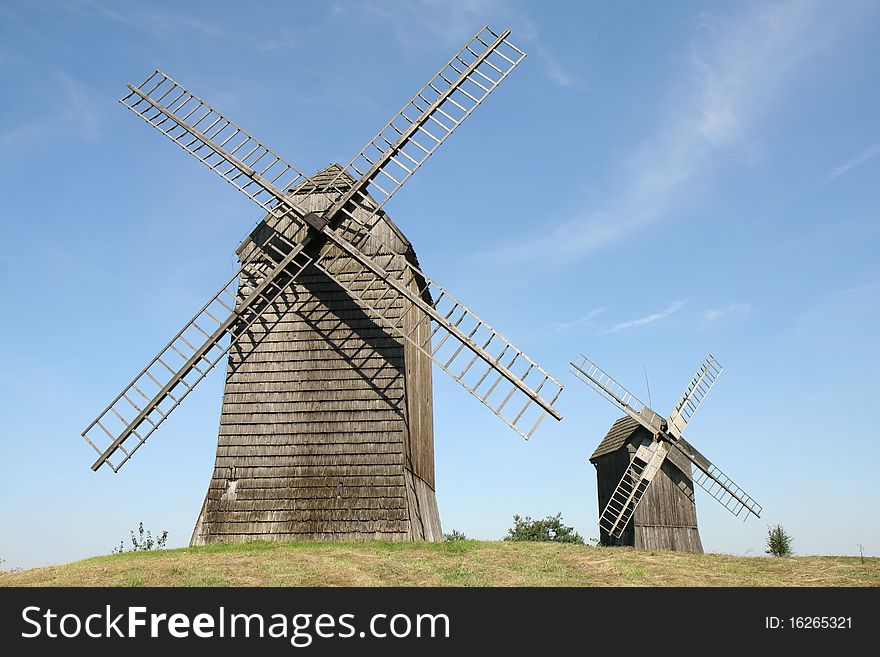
{"x":326,"y":428}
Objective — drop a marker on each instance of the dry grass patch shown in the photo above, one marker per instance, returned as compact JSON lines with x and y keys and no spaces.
{"x":459,"y":563}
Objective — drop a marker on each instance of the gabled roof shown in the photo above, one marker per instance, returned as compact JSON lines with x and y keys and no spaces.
{"x":617,"y":435}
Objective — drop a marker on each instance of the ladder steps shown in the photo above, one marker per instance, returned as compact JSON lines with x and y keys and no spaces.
{"x":629,"y":491}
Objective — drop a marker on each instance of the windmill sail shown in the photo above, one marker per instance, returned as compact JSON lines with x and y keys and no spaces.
{"x":427,"y":120}
{"x":507,"y":381}
{"x":382,"y":166}
{"x":694,"y":394}
{"x":603,"y":383}
{"x":184,"y":362}
{"x":264,"y":176}
{"x":632,"y":487}
{"x":216,"y":141}
{"x":717,"y":484}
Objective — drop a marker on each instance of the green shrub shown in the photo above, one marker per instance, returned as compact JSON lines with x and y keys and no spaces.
{"x":455,"y":536}
{"x":548,"y":529}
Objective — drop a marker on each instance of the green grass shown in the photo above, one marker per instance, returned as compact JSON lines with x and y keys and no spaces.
{"x":459,"y":563}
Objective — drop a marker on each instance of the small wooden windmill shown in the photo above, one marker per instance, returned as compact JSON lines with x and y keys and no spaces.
{"x":330,"y":327}
{"x":644,"y":468}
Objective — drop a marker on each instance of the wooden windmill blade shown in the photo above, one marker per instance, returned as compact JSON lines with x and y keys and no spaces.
{"x":396,"y":152}
{"x":425,"y":122}
{"x":603,"y":383}
{"x":697,"y":389}
{"x":648,"y":459}
{"x":490,"y":367}
{"x":382,"y":166}
{"x":185,"y":361}
{"x":463,"y":345}
{"x":215,"y":140}
{"x":721,"y":487}
{"x":632,"y":487}
{"x":709,"y":477}
{"x":236,"y":159}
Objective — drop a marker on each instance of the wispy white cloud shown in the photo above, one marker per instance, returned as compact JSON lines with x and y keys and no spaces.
{"x":450,"y":24}
{"x":71,"y":108}
{"x":80,"y":109}
{"x":739,"y":67}
{"x":866,"y":154}
{"x":283,"y":39}
{"x":446,"y":22}
{"x":670,"y":310}
{"x":589,"y":317}
{"x":714,"y":314}
{"x":554,"y":69}
{"x":843,"y":320}
{"x":155,"y":21}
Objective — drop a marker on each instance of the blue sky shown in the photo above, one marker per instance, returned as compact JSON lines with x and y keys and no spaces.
{"x":656,"y":181}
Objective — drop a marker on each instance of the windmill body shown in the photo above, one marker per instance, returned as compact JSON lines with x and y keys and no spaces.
{"x":326,"y":428}
{"x":666,"y":517}
{"x":644,"y":467}
{"x":329,"y":330}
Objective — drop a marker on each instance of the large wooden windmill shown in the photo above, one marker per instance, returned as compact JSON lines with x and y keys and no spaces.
{"x":330,"y":328}
{"x":644,"y":468}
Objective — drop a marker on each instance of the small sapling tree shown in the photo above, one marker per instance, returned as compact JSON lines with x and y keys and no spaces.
{"x":778,"y":542}
{"x":143,"y":541}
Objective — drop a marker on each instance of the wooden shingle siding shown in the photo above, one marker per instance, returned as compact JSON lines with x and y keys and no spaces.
{"x":326,"y":428}
{"x":311,"y":487}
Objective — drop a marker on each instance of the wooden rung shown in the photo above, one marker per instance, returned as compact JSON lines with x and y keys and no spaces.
{"x":472,"y":97}
{"x":506,"y":399}
{"x":485,"y":77}
{"x":452,"y":101}
{"x":119,"y":415}
{"x":521,"y":411}
{"x":474,"y":82}
{"x":424,"y":130}
{"x":373,"y":183}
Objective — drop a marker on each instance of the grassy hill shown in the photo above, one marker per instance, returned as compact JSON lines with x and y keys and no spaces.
{"x":460,"y":563}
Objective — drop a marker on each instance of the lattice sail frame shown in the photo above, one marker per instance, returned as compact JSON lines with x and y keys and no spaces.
{"x":638,"y":476}
{"x":453,"y":93}
{"x":632,"y":487}
{"x":264,"y":176}
{"x":694,"y":394}
{"x":512,"y":385}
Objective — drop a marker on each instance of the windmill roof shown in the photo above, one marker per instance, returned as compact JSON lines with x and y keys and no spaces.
{"x":620,"y":432}
{"x":321,"y":178}
{"x":318,"y":181}
{"x":328,"y":174}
